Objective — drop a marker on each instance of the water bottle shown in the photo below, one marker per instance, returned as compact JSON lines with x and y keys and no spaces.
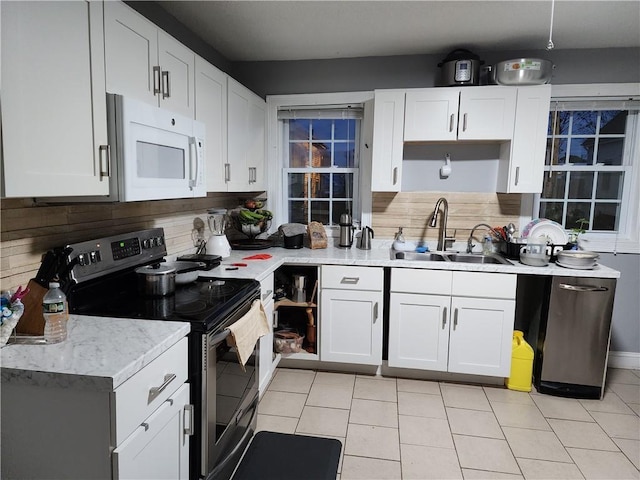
{"x":56,"y":314}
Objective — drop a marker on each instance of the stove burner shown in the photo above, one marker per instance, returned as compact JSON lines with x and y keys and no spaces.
{"x":191,"y":307}
{"x":216,"y":288}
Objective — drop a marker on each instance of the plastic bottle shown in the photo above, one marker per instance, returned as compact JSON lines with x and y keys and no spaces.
{"x":487,"y":245}
{"x":56,"y":314}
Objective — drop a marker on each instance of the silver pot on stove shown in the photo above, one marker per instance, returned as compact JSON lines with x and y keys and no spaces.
{"x":160,"y":279}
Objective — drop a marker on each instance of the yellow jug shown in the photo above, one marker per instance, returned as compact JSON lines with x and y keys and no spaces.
{"x":521,"y":364}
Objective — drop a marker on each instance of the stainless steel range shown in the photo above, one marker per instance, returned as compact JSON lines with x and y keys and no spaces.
{"x":100,"y":280}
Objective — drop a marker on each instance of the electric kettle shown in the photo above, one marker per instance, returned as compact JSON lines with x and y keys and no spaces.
{"x":364,"y":243}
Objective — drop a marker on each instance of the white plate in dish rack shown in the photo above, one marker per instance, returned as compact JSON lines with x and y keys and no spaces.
{"x":552,"y":231}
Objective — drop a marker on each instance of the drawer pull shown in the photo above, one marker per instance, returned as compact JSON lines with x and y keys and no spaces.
{"x":188,"y":426}
{"x":145,"y":425}
{"x":350,"y":280}
{"x":155,"y":391}
{"x":268,"y":294}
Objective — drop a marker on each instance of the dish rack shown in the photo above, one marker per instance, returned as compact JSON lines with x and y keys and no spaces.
{"x":512,"y":250}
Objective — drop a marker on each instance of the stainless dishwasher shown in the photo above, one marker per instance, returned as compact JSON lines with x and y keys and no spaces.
{"x":572,"y":348}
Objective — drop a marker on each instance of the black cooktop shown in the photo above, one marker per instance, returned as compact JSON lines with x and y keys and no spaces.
{"x":204,"y":302}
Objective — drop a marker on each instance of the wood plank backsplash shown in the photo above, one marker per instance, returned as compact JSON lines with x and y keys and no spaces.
{"x":28,"y":229}
{"x":413,"y":210}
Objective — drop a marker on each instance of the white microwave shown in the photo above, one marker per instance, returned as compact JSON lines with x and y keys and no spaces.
{"x":155,"y":154}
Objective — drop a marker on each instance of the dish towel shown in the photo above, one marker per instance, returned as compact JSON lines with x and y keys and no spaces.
{"x":245,"y":332}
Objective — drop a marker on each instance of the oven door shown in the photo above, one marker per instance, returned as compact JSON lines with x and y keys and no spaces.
{"x":230,"y":405}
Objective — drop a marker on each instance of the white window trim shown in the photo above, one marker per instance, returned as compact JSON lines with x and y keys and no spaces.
{"x":274,"y":154}
{"x":630,"y":241}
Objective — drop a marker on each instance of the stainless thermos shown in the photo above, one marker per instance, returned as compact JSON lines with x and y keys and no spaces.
{"x":346,"y":231}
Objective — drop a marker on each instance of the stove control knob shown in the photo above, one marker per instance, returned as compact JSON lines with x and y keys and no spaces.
{"x":94,"y":256}
{"x":146,"y":243}
{"x":83,"y":259}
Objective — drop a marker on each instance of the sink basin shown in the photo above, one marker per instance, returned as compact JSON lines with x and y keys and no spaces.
{"x":476,"y":258}
{"x":412,"y":256}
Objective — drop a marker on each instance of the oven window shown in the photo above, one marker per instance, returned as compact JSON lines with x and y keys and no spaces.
{"x":159,"y":161}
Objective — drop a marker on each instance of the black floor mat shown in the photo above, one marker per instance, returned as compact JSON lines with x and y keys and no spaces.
{"x":280,"y":456}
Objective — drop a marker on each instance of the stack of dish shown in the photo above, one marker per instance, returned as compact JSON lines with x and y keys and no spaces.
{"x":547,"y":230}
{"x":579,"y":259}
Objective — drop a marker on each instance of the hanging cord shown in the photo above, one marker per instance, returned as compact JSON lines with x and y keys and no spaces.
{"x":553,"y":138}
{"x":550,"y":45}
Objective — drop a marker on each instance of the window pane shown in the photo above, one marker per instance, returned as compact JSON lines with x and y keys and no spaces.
{"x":298,"y":211}
{"x":297,"y":185}
{"x":345,"y":129}
{"x":562,"y":123}
{"x":559,"y":151}
{"x":609,"y":185}
{"x":321,"y":129}
{"x":584,"y":123}
{"x":553,"y":185}
{"x":613,"y":122}
{"x":321,"y":155}
{"x":339,"y":208}
{"x":581,"y":151}
{"x":610,"y":151}
{"x":342,"y":185}
{"x":551,"y":210}
{"x":605,"y":216}
{"x":320,"y":184}
{"x":320,"y":212}
{"x":576,"y":211}
{"x":298,"y":155}
{"x":580,"y":184}
{"x":344,"y":155}
{"x":299,"y":129}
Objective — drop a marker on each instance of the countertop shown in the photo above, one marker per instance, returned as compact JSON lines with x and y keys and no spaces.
{"x":99,"y":354}
{"x":378,"y":256}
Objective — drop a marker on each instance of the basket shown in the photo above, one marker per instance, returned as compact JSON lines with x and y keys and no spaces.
{"x":287,"y":342}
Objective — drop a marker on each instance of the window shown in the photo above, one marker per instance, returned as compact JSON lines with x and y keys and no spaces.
{"x":591,"y":167}
{"x":321,"y":159}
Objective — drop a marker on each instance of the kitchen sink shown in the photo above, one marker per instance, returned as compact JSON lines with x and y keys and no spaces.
{"x":477,"y":258}
{"x":450,"y":257}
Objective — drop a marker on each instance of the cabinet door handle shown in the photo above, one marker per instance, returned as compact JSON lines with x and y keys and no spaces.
{"x":444,"y":317}
{"x":464,"y":122}
{"x":455,"y":318}
{"x":517,"y":175}
{"x":350,"y":280}
{"x":395,"y":175}
{"x":156,"y":80}
{"x":155,"y":391}
{"x":227,"y":172}
{"x":104,"y":152}
{"x":451,"y":118}
{"x":188,"y":426}
{"x":375,"y":312}
{"x":166,"y":84}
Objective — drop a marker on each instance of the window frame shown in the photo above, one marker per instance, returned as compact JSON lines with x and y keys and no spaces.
{"x":276,"y":156}
{"x":627,"y":239}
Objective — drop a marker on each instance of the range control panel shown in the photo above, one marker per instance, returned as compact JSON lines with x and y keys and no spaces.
{"x":95,"y":258}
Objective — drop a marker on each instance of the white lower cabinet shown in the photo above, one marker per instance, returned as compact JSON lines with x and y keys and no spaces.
{"x":459,"y":322}
{"x":266,"y":358}
{"x":351,"y":314}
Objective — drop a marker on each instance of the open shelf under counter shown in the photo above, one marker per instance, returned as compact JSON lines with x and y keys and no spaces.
{"x":304,"y":355}
{"x":285,"y":302}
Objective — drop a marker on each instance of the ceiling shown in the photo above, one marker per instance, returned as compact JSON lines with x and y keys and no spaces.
{"x":306,"y":29}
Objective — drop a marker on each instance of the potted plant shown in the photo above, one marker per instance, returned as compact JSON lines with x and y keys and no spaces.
{"x":582,"y":225}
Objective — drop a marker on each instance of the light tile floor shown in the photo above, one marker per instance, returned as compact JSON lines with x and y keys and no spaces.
{"x":412,"y":429}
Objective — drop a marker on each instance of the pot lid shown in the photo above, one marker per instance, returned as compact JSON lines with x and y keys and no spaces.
{"x":156,"y":269}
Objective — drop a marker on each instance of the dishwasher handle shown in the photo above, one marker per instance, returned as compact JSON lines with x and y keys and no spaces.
{"x":582,"y":288}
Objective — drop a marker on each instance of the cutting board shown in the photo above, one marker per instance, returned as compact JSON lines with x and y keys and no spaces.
{"x":32,"y":321}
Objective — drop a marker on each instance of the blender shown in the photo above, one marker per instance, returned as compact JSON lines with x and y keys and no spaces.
{"x":218,"y":223}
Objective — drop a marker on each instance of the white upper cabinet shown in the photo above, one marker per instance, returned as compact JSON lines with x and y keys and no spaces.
{"x":387,"y":143}
{"x":211,"y":109}
{"x":470,"y":113}
{"x":144,"y":62}
{"x":246,"y":139}
{"x":53,"y":99}
{"x":522,"y":161}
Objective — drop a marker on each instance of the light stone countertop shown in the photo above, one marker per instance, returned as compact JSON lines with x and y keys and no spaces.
{"x":99,"y":353}
{"x":378,"y":256}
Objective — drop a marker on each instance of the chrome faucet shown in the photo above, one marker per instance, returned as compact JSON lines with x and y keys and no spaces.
{"x":442,"y":236}
{"x":470,"y":245}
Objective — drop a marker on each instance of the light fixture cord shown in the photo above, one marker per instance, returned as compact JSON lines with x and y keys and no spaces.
{"x":550,"y":45}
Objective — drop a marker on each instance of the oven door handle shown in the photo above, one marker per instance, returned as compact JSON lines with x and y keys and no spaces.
{"x":219,"y":337}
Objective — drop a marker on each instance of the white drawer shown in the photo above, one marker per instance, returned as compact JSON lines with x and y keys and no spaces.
{"x":138,"y":397}
{"x":351,"y":278}
{"x":410,"y":280}
{"x":485,"y":285}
